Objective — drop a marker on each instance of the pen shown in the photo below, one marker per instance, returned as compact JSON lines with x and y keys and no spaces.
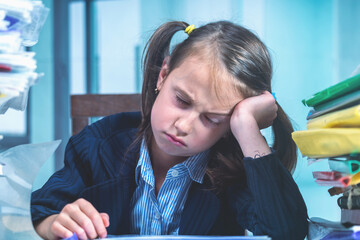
{"x":73,"y":237}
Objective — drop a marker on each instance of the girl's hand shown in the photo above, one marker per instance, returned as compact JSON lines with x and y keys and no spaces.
{"x":79,"y":217}
{"x":249,"y":116}
{"x":261,"y":108}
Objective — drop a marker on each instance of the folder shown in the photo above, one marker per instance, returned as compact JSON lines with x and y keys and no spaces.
{"x":328,"y":142}
{"x":347,"y":166}
{"x":342,"y":102}
{"x":349,"y":117}
{"x":335,"y":91}
{"x":340,"y":182}
{"x":324,"y":175}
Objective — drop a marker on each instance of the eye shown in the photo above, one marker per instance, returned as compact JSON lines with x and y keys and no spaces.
{"x":181,"y":101}
{"x":213,"y":121}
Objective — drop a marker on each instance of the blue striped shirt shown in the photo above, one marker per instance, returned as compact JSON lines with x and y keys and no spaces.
{"x":160,"y":215}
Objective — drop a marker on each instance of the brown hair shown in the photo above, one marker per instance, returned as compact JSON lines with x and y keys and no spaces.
{"x":246,"y":59}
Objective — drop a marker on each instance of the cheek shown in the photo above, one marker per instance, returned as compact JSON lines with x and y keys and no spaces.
{"x":208,"y":137}
{"x":159,"y":112}
{"x":155,"y":114}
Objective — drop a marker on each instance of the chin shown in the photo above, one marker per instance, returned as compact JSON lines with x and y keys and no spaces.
{"x":173,"y":151}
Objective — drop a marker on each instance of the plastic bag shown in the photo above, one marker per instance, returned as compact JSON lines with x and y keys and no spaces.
{"x":18,"y":168}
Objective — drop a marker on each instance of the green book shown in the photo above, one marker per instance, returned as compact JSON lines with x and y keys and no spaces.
{"x":333,"y":92}
{"x":339,"y":103}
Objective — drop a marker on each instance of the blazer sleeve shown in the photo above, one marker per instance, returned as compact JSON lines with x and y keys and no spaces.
{"x":66,"y":184}
{"x":83,"y":166}
{"x":272,"y":203}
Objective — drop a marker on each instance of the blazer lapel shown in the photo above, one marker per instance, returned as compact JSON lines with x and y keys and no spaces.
{"x":200,"y":211}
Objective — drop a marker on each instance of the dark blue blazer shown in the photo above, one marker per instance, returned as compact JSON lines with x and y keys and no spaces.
{"x":99,"y":166}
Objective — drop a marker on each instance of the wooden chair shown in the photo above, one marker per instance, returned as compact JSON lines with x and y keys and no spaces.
{"x":84,"y":107}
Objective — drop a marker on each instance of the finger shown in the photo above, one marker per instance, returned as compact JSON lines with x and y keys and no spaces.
{"x":59,"y":231}
{"x":105,"y":218}
{"x":97,"y":224}
{"x":65,"y":221}
{"x":84,"y":222}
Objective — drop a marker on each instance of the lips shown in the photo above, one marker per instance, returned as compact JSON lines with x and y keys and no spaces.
{"x":175,"y":140}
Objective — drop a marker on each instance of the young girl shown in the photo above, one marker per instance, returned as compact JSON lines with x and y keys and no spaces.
{"x":194,"y":162}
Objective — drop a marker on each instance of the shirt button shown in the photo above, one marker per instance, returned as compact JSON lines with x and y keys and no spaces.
{"x":157,"y":216}
{"x":175,"y":173}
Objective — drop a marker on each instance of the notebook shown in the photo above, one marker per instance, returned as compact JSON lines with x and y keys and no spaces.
{"x":345,"y":101}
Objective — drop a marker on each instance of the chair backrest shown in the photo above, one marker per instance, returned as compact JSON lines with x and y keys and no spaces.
{"x":84,"y":107}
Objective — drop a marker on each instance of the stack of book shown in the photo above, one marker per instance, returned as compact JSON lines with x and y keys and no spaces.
{"x":333,"y":134}
{"x":20,"y":24}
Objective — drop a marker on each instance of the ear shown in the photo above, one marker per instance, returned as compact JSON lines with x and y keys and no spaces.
{"x":163,"y":73}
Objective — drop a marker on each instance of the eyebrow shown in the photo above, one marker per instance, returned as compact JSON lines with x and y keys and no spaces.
{"x":186,"y":95}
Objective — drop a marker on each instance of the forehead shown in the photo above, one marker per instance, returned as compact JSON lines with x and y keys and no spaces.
{"x":208,"y":84}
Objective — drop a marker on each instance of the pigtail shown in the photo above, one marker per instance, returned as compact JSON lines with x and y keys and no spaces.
{"x":283,"y":143}
{"x":156,"y":49}
{"x":224,"y":167}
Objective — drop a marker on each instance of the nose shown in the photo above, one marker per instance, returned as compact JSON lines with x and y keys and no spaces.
{"x":185,"y":123}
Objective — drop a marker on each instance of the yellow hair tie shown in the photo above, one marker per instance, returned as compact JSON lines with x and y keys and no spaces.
{"x":189,"y":29}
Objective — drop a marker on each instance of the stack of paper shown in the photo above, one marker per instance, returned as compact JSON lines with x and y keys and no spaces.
{"x":20,"y":24}
{"x":333,"y":133}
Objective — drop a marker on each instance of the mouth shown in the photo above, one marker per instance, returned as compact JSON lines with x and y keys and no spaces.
{"x":175,"y":140}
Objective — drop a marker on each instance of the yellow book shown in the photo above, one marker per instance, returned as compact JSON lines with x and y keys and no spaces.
{"x":328,"y":142}
{"x":349,"y":117}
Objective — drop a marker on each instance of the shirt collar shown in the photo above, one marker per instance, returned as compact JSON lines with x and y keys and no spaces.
{"x":196,"y":166}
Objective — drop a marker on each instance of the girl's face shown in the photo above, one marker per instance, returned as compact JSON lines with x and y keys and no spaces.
{"x":187,"y":116}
